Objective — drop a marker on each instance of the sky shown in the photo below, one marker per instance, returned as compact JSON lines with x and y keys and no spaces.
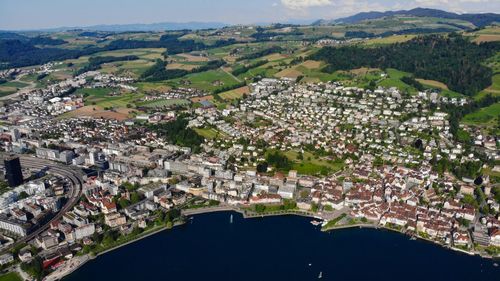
{"x":38,"y":14}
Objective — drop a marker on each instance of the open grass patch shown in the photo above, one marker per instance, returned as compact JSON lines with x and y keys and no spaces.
{"x":11,"y":276}
{"x":309,"y":164}
{"x":208,"y":133}
{"x":484,"y":116}
{"x":206,"y":81}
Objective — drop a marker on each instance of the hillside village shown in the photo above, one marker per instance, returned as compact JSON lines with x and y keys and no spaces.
{"x":348,"y":155}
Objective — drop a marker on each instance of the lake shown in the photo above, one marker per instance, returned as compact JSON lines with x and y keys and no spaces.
{"x":281,"y":248}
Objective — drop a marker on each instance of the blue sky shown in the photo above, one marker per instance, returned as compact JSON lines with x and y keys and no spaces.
{"x":35,"y":14}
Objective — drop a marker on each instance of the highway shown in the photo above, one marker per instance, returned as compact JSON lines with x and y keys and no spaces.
{"x":72,"y":174}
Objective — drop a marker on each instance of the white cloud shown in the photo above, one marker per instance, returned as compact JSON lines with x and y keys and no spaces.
{"x":300,"y":4}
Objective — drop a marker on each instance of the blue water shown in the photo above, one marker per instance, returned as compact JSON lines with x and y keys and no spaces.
{"x":281,"y":248}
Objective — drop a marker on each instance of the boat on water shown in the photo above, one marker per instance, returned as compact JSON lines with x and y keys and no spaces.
{"x":315,"y":222}
{"x":320,"y":275}
{"x":413,"y":238}
{"x":495,"y":264}
{"x":231,"y":219}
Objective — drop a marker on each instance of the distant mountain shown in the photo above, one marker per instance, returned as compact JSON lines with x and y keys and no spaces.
{"x":478,"y":20}
{"x":141,"y":27}
{"x":157,"y":26}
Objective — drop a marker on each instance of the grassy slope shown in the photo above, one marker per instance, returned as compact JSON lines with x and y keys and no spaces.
{"x":11,"y":276}
{"x":485,"y":116}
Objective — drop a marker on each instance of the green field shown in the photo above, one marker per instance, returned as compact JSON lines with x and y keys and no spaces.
{"x":388,"y":40}
{"x":102,"y":97}
{"x":209,"y":133}
{"x":313,"y":165}
{"x":485,"y":116}
{"x":394,"y":80}
{"x":205,"y":80}
{"x":15,"y":84}
{"x":11,"y":87}
{"x":163,"y":103}
{"x":93,"y":93}
{"x":11,"y":276}
{"x":234,"y":94}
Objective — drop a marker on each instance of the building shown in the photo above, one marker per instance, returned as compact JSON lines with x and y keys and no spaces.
{"x":14,"y":226}
{"x":84,"y":231}
{"x":13,"y":173}
{"x":114,"y":219}
{"x":6,"y":258}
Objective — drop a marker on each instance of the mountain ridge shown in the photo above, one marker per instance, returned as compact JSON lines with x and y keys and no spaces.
{"x":134,"y":27}
{"x":479,"y":20}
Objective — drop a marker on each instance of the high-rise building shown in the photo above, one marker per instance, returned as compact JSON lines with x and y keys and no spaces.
{"x":13,"y":173}
{"x":15,"y":134}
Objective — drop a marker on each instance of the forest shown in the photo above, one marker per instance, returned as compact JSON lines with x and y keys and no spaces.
{"x":96,"y":62}
{"x":261,"y":53}
{"x":159,"y":72}
{"x":453,"y":60}
{"x":18,"y":52}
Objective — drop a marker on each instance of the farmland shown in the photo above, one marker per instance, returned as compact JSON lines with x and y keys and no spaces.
{"x":160,"y":103}
{"x":207,"y":81}
{"x":235,"y":94}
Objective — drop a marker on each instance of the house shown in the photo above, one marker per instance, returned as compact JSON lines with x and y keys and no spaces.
{"x":114,"y":219}
{"x":460,"y":238}
{"x":495,"y":237}
{"x":6,"y":259}
{"x":24,"y":255}
{"x":265,"y":199}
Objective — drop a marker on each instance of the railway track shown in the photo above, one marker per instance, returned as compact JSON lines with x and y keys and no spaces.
{"x":74,"y":177}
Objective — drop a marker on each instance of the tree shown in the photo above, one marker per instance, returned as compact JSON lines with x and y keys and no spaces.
{"x":453,"y":60}
{"x":262,"y":167}
{"x":260,"y":208}
{"x":23,"y":195}
{"x":134,"y":197}
{"x":278,"y":160}
{"x":34,"y":268}
{"x":123,"y":203}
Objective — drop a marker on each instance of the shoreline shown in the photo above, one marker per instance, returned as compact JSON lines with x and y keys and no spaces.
{"x":89,"y":257}
{"x":201,"y":211}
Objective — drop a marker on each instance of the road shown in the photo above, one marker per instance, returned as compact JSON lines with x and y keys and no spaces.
{"x":230,"y":74}
{"x":75,"y":178}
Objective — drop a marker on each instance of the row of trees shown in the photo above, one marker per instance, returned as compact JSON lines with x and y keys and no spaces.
{"x":242,"y":69}
{"x":261,"y":53}
{"x":364,"y":34}
{"x":278,"y":160}
{"x":96,"y":62}
{"x":19,"y":52}
{"x":159,"y":71}
{"x":452,"y":59}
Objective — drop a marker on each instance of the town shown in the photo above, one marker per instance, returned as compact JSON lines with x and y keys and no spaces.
{"x":346,"y":156}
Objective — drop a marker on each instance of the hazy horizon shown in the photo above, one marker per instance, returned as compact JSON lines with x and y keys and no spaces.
{"x":34,"y":14}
